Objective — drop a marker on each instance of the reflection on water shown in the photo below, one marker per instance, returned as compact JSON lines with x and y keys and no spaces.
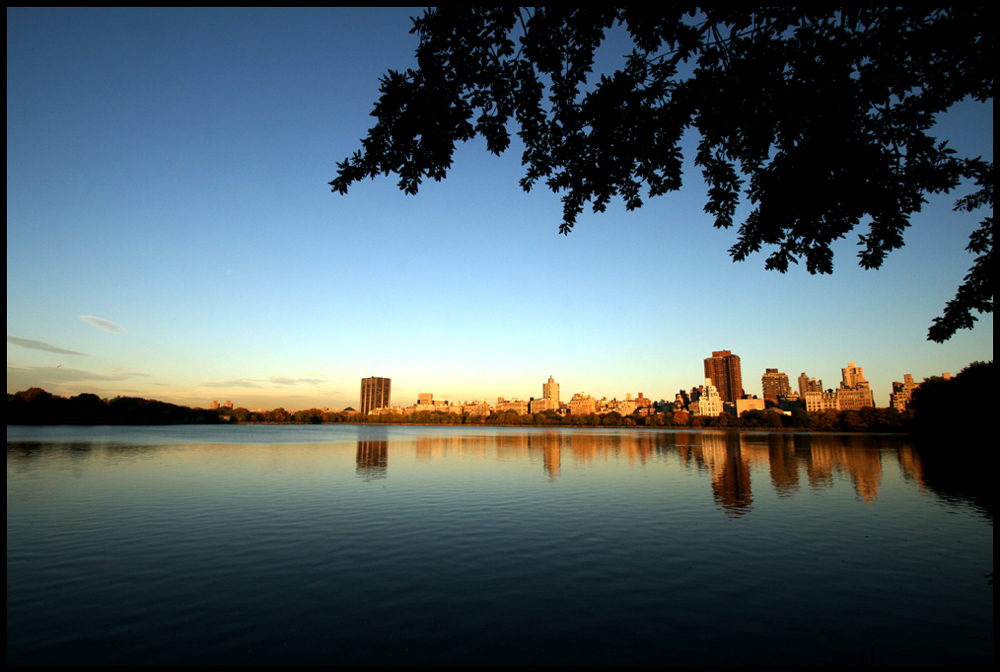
{"x":309,"y":544}
{"x":728,"y":457}
{"x":373,"y":459}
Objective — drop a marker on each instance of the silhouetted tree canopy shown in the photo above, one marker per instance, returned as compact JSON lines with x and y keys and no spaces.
{"x":819,"y":117}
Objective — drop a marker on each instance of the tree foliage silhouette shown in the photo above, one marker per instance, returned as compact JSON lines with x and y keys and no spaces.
{"x":820,"y":118}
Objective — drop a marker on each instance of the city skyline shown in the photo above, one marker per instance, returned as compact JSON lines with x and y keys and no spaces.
{"x":171,"y":235}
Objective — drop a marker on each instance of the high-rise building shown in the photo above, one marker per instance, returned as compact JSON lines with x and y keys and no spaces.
{"x":775,"y":385}
{"x":853,"y":377}
{"x":807,"y":384}
{"x":549,"y":400}
{"x":723,"y":369}
{"x":374,"y":393}
{"x":550,"y":390}
{"x":855,"y":392}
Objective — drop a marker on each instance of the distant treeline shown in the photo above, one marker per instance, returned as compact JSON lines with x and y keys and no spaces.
{"x":37,"y":407}
{"x":932,"y":409}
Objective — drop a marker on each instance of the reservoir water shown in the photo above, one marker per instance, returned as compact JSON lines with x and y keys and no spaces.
{"x":370,"y":544}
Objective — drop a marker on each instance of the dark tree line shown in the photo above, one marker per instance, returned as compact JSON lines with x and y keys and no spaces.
{"x":38,"y":407}
{"x":974,"y":387}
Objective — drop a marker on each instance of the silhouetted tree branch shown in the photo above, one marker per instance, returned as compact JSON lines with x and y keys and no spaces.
{"x":819,"y":117}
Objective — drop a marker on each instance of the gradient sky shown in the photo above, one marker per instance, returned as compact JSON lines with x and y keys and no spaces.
{"x":171,"y":234}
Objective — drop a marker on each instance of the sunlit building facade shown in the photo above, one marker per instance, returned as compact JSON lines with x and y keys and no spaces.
{"x":775,"y":384}
{"x":723,"y":370}
{"x":375,"y":393}
{"x":744,"y":405}
{"x":807,"y":384}
{"x":710,"y":402}
{"x":582,"y":404}
{"x":550,"y":398}
{"x":902,"y":392}
{"x":855,"y":392}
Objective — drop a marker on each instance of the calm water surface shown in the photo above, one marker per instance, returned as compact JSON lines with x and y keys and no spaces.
{"x":340,"y":544}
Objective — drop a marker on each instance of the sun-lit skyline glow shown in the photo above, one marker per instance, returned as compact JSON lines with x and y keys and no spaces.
{"x":171,"y":234}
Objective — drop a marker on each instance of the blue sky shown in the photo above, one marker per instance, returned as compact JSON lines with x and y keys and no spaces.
{"x":171,"y":234}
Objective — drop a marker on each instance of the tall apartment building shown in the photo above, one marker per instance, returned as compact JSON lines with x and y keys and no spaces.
{"x":550,"y":398}
{"x":723,"y":369}
{"x":375,"y":393}
{"x":775,"y":385}
{"x":807,"y":384}
{"x":550,"y":390}
{"x":855,"y":392}
{"x":853,"y":377}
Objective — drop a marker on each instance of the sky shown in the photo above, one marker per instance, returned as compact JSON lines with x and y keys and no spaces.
{"x":171,"y":234}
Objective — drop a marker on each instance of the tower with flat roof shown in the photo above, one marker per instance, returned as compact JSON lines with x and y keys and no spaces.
{"x":375,"y":393}
{"x":723,"y":369}
{"x":775,"y":384}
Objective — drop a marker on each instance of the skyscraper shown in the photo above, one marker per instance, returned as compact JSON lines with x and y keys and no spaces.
{"x":374,"y":393}
{"x":723,"y":369}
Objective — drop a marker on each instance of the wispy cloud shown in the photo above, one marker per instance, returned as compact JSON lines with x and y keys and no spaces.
{"x":129,"y":374}
{"x":243,"y":382}
{"x":101,"y":323}
{"x":38,"y":345}
{"x":62,"y":374}
{"x":280,"y":380}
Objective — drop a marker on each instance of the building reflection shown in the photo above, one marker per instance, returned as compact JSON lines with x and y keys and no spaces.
{"x":730,"y":459}
{"x":826,"y":454}
{"x":372,"y":459}
{"x":552,"y":447}
{"x":721,"y":454}
{"x":551,"y":457}
{"x":910,"y":465}
{"x":783,"y":464}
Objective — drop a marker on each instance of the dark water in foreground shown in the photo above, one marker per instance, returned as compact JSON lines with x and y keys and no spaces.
{"x":342,"y":544}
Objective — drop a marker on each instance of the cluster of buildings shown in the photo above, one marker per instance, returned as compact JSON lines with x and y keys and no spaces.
{"x":853,"y":394}
{"x":722,"y":393}
{"x":375,"y":400}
